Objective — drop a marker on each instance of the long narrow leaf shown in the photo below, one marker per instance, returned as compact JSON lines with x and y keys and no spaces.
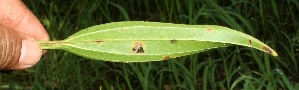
{"x":138,"y":41}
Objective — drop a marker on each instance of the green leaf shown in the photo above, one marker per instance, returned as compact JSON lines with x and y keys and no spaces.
{"x":138,"y":41}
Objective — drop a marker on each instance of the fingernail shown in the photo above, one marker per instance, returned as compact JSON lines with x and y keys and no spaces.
{"x":30,"y":53}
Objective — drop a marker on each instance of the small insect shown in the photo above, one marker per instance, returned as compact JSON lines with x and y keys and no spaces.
{"x":138,"y":48}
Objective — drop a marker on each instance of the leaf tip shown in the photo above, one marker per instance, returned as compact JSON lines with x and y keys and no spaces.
{"x":270,"y":51}
{"x":274,"y":54}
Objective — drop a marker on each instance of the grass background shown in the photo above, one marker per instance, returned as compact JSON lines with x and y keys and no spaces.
{"x":274,"y":22}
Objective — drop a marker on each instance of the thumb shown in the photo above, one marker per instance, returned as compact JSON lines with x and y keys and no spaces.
{"x":17,"y":50}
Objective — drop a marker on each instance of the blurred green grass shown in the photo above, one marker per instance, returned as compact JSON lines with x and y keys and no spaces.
{"x":275,"y":22}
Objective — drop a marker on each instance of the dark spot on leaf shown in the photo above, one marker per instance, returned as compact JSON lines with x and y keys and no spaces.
{"x":268,"y":50}
{"x":138,"y":48}
{"x":166,"y":58}
{"x":249,"y":42}
{"x":173,"y":41}
{"x":98,"y":41}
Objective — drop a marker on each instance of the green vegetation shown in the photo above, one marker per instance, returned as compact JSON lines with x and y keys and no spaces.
{"x":274,"y":22}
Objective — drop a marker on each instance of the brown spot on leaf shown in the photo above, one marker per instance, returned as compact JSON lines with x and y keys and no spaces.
{"x":173,"y":41}
{"x":209,"y":29}
{"x":249,"y":42}
{"x":98,"y":41}
{"x":166,"y":58}
{"x":138,"y":48}
{"x":267,"y":49}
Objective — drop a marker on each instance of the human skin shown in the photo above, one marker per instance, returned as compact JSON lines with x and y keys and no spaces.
{"x":14,"y":15}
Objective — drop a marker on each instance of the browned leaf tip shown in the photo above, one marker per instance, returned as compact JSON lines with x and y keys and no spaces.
{"x":267,"y":49}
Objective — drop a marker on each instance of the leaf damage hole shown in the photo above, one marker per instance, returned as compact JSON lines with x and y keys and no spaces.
{"x":166,"y":58}
{"x":173,"y":41}
{"x":268,"y":50}
{"x":138,"y":48}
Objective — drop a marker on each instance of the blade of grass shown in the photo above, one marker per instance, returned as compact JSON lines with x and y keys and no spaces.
{"x":122,"y":10}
